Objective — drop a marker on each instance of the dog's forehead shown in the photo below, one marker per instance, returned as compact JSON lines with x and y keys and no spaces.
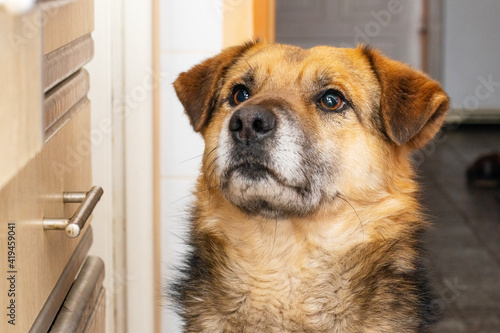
{"x":288,"y":64}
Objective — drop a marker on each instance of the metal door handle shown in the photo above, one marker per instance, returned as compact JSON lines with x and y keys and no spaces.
{"x":75,"y":224}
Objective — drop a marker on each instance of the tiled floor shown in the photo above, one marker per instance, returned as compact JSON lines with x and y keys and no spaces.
{"x":464,"y":243}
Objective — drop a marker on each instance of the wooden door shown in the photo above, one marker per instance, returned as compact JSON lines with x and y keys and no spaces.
{"x":45,"y":147}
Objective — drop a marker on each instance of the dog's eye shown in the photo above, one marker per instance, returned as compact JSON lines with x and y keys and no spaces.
{"x":240,"y":94}
{"x":331,"y":101}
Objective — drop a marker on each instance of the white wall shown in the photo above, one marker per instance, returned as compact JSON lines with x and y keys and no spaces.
{"x":472,"y":53}
{"x":190,"y":31}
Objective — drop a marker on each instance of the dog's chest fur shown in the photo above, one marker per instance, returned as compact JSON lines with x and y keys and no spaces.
{"x":283,"y":298}
{"x":291,"y":284}
{"x":299,"y":286}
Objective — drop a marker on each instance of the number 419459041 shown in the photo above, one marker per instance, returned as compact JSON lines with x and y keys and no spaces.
{"x":11,"y":245}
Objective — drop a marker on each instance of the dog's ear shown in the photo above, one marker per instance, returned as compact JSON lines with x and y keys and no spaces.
{"x":197,"y":89}
{"x":412,"y":105}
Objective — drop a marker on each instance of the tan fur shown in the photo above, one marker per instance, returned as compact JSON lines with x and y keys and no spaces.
{"x":322,"y":270}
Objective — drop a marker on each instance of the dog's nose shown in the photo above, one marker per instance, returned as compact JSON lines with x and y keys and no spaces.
{"x":252,"y":123}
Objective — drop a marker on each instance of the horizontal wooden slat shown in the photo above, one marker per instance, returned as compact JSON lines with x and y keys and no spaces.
{"x":65,"y":61}
{"x":84,"y":103}
{"x":64,"y":96}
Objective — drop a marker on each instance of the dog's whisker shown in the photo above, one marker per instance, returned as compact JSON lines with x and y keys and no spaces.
{"x":250,"y":66}
{"x":212,"y":151}
{"x":211,"y":177}
{"x":275,"y":235}
{"x":211,"y":166}
{"x":342,"y":197}
{"x":191,"y":158}
{"x":182,"y":198}
{"x":208,"y":188}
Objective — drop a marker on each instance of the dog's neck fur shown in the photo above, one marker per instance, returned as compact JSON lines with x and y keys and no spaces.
{"x":381,"y":213}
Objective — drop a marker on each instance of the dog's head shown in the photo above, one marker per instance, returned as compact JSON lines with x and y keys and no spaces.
{"x":287,"y":130}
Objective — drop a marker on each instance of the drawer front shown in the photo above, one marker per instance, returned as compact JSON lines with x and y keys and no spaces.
{"x":21,"y":96}
{"x":34,"y":259}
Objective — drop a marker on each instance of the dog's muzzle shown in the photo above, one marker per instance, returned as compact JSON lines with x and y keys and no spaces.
{"x":264,"y":161}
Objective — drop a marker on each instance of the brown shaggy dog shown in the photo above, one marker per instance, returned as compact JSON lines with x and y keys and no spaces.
{"x":306,"y":217}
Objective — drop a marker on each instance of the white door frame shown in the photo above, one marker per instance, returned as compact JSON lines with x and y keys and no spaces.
{"x":122,"y":87}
